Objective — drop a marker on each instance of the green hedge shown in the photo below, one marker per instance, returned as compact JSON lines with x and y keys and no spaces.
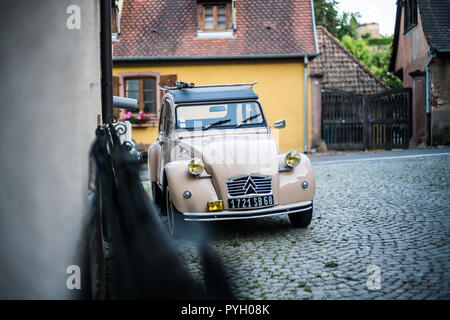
{"x":379,"y":41}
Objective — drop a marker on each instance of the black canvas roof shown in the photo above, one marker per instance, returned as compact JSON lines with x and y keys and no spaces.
{"x":213,"y":94}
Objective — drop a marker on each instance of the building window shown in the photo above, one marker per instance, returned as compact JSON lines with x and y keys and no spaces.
{"x":144,"y":91}
{"x":410,"y":14}
{"x":215,"y":17}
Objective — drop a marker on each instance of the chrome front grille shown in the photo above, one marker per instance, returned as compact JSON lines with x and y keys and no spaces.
{"x":247,"y":185}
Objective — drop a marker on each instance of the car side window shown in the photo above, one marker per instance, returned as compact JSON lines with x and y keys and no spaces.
{"x":168,"y":119}
{"x":161,"y":118}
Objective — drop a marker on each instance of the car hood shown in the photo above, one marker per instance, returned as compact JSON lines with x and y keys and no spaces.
{"x":235,"y":154}
{"x":228,"y":156}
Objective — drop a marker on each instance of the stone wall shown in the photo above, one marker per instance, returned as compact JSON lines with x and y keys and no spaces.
{"x":50,"y":89}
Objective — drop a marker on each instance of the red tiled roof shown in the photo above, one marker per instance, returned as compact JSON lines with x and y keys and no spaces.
{"x":168,"y":28}
{"x":340,"y":69}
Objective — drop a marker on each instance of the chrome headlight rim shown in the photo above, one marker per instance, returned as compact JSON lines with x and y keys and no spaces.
{"x":292,"y":154}
{"x":195,"y":162}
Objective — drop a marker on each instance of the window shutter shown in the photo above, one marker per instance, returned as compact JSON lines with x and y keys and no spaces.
{"x":114,"y":25}
{"x":199,"y":17}
{"x":116,"y":92}
{"x":229,"y":16}
{"x":167,"y":81}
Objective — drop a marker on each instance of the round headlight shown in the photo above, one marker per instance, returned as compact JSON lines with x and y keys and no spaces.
{"x":292,"y":159}
{"x":196,"y":167}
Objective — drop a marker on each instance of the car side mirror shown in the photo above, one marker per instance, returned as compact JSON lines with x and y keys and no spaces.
{"x":280,"y":124}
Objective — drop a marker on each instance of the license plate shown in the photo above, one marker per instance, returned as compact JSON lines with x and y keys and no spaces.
{"x":253,"y":202}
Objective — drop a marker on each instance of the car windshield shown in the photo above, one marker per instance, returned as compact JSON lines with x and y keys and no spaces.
{"x":219,"y":115}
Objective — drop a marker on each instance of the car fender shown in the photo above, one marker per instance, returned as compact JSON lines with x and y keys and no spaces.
{"x":153,"y":161}
{"x":179,"y":180}
{"x":291,"y":190}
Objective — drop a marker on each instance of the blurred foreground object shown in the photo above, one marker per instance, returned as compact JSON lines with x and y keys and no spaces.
{"x":131,"y":256}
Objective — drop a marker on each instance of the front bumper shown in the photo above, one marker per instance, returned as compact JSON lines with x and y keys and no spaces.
{"x":249,"y":214}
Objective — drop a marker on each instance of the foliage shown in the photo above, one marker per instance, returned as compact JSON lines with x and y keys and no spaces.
{"x":344,"y":29}
{"x":376,"y":61}
{"x":326,"y":14}
{"x":140,"y":118}
{"x":347,"y":25}
{"x":380,"y":41}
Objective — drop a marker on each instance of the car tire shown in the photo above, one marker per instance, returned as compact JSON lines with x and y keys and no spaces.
{"x":301,"y":219}
{"x":175,"y":218}
{"x":157,"y":194}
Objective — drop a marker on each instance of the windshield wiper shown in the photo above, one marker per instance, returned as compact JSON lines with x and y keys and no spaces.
{"x":215,"y":124}
{"x":248,"y":119}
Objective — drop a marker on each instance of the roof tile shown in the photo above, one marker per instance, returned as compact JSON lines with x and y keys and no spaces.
{"x":341,"y":70}
{"x":435,"y":16}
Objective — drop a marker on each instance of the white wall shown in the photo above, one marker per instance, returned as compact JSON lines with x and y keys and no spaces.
{"x":49,"y":100}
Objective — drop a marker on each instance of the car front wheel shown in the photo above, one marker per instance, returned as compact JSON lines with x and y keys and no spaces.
{"x":301,"y":219}
{"x":156,"y":193}
{"x":175,"y":217}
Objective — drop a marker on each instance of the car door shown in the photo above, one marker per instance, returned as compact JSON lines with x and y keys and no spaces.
{"x":165,"y":137}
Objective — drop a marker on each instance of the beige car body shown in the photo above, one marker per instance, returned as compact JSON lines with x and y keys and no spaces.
{"x":220,"y":151}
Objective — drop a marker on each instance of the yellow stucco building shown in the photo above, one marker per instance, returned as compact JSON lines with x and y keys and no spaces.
{"x":147,"y":56}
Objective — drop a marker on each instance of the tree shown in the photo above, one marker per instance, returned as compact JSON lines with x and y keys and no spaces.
{"x":375,"y":61}
{"x":344,"y":29}
{"x":326,"y":14}
{"x":347,"y":25}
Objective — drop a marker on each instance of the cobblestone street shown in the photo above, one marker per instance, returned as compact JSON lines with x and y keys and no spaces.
{"x":392,"y":213}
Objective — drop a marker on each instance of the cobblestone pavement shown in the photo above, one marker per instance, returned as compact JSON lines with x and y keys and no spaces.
{"x":394,"y":214}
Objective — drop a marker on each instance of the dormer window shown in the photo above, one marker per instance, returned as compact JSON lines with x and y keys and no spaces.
{"x":215,"y":19}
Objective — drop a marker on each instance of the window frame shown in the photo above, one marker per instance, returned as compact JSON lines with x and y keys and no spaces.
{"x":410,"y":17}
{"x":141,"y":92}
{"x":123,"y":77}
{"x":161,"y":119}
{"x":215,"y":7}
{"x":168,"y":120}
{"x":166,"y":125}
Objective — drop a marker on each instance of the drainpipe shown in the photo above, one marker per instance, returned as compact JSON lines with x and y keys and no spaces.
{"x":431,"y":55}
{"x":233,"y":14}
{"x":119,"y":17}
{"x":106,"y":60}
{"x":305,"y":94}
